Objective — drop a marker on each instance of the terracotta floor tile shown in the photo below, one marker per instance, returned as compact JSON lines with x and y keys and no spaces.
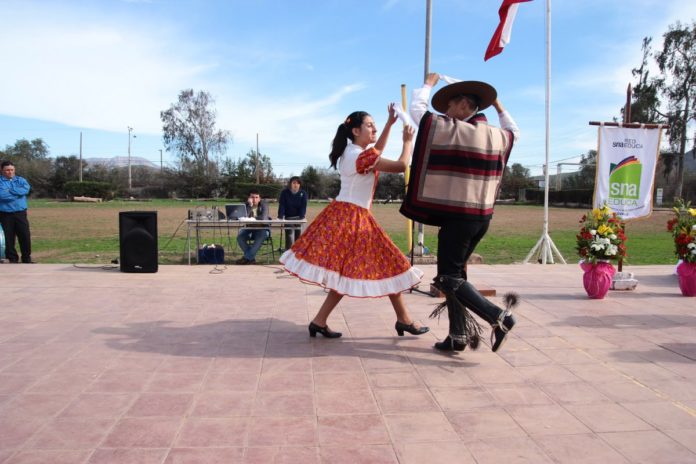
{"x":280,"y":380}
{"x":664,"y":415}
{"x":137,"y":432}
{"x":35,"y":405}
{"x":180,"y":383}
{"x":368,"y":454}
{"x":435,"y":452}
{"x":511,"y":451}
{"x":546,"y":420}
{"x":518,"y":395}
{"x":394,"y":379}
{"x":15,"y":383}
{"x":221,"y":404}
{"x":284,"y":404}
{"x":119,"y":381}
{"x":15,"y":431}
{"x":575,"y":393}
{"x":281,"y":455}
{"x":161,"y":404}
{"x":205,"y":456}
{"x":605,"y":417}
{"x":203,"y":432}
{"x":282,"y":431}
{"x":49,"y":456}
{"x":125,"y":455}
{"x":462,"y":398}
{"x":231,"y":380}
{"x":686,"y":438}
{"x":63,"y":382}
{"x":404,"y":401}
{"x":648,"y":447}
{"x":99,"y":405}
{"x":577,"y":449}
{"x":351,"y":380}
{"x":345,"y":402}
{"x":340,"y":364}
{"x":352,"y":430}
{"x":73,"y":433}
{"x":419,"y":427}
{"x":482,"y":424}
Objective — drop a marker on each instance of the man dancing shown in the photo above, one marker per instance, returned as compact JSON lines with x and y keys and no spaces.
{"x":457,"y":166}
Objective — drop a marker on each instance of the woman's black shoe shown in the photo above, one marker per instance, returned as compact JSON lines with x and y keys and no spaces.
{"x":325,"y":331}
{"x":449,"y":345}
{"x":410,"y":328}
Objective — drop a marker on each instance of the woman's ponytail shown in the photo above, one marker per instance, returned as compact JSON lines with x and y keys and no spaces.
{"x":343,"y":133}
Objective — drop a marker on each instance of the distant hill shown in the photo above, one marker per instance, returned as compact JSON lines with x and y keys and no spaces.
{"x":121,"y":162}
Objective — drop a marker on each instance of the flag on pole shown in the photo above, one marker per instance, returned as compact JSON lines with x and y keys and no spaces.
{"x":501,"y":37}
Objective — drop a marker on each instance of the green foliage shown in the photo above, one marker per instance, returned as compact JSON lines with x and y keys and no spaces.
{"x":188,"y":129}
{"x":515,"y":177}
{"x":88,"y":189}
{"x":240,"y":190}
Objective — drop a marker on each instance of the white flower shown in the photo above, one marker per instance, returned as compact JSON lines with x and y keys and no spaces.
{"x":612,"y":250}
{"x":593,"y":232}
{"x":612,"y":236}
{"x":691,"y":245}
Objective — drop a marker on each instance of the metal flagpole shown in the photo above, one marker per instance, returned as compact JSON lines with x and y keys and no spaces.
{"x":418,"y":246}
{"x":545,"y":248}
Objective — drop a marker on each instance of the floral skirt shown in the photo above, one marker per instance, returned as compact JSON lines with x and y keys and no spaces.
{"x":345,"y":249}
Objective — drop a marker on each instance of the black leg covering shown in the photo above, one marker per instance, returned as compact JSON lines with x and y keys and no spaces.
{"x":471,"y":298}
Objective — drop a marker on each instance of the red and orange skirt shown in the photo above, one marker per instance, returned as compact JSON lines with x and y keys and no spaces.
{"x":344,"y":249}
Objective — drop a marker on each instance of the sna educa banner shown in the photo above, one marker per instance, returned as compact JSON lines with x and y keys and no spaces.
{"x":626,"y":161}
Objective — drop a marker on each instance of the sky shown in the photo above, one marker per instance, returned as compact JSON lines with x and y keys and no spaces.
{"x":289,"y":71}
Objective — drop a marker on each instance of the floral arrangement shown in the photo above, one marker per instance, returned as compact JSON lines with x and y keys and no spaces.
{"x":683,"y":229}
{"x":601,"y":236}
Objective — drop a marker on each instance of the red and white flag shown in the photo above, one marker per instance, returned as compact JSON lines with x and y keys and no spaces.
{"x":501,"y":37}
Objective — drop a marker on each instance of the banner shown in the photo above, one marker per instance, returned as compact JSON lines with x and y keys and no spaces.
{"x":626,"y":161}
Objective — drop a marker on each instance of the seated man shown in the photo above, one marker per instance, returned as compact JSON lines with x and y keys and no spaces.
{"x":257,"y":209}
{"x":292,"y":204}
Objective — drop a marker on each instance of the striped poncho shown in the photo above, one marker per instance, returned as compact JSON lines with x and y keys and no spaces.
{"x":456,"y":169}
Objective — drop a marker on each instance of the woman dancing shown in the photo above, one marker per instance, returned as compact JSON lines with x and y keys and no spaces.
{"x":344,"y":249}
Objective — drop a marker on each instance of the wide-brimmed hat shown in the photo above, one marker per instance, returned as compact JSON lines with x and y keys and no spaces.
{"x":485,"y":93}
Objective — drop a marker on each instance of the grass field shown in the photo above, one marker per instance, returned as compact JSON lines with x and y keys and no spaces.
{"x":87,"y":233}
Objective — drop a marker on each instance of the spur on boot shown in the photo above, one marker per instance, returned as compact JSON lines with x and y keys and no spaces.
{"x":325,"y":331}
{"x":448,"y":344}
{"x":501,"y":331}
{"x":410,"y":328}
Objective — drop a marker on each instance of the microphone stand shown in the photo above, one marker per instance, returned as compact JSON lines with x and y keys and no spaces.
{"x":413,"y":245}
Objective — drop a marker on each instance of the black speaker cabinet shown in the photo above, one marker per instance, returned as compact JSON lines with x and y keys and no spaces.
{"x":137,"y":232}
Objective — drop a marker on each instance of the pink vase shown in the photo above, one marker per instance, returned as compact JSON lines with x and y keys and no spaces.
{"x":687,"y":278}
{"x":597,"y":278}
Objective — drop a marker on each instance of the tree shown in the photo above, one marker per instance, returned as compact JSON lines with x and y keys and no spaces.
{"x":585,"y":177}
{"x":516,"y":177}
{"x":311,"y":181}
{"x":676,"y":83}
{"x":32,"y":162}
{"x":65,"y":169}
{"x":391,"y":186}
{"x":189,"y":131}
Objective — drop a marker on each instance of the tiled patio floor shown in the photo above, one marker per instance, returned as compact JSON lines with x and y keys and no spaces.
{"x":191,"y":366}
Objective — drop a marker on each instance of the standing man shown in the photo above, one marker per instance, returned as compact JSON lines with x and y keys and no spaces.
{"x":13,"y":213}
{"x":257,"y":209}
{"x":292,"y":204}
{"x":457,"y":166}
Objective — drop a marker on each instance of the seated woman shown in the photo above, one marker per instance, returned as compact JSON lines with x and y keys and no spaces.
{"x":292,"y":204}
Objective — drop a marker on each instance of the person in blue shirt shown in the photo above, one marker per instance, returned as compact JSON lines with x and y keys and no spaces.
{"x":13,"y":213}
{"x":292,"y":204}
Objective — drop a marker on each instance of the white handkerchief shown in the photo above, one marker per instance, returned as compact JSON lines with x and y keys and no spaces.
{"x":449,"y":80}
{"x":405,"y":117}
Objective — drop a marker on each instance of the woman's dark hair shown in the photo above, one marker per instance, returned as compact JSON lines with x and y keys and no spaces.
{"x":345,"y":131}
{"x":295,"y":179}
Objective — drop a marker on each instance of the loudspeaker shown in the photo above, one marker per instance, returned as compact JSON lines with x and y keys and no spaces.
{"x":137,"y":232}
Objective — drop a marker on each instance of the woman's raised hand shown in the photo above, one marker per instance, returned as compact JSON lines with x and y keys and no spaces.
{"x":407,"y":135}
{"x":392,"y":114}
